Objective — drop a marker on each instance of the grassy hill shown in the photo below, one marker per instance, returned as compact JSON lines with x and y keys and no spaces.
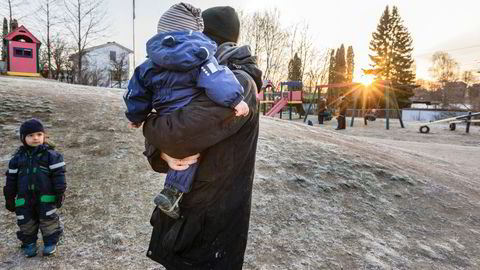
{"x":321,"y":199}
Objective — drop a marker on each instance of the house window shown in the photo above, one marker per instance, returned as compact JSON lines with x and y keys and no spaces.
{"x":22,"y":52}
{"x":113,"y":56}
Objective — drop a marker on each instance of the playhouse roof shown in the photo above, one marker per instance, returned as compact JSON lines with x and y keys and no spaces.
{"x":24,"y":32}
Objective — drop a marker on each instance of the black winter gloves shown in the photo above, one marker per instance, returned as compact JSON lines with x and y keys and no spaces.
{"x":10,"y":204}
{"x":9,"y":199}
{"x":59,"y":200}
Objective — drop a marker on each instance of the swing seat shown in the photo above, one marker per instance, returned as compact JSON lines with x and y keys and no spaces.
{"x":371,"y":117}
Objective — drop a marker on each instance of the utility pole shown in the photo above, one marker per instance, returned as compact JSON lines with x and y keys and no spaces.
{"x":133,"y":22}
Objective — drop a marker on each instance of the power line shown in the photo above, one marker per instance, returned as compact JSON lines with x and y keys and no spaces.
{"x":448,"y":50}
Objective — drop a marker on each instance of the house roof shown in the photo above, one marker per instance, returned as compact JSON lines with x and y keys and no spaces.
{"x":108,"y":44}
{"x":24,"y":32}
{"x":102,"y":46}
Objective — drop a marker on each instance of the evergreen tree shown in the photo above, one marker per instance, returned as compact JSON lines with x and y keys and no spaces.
{"x":392,"y":58}
{"x":340,"y":65}
{"x":331,"y":75}
{"x":350,"y":64}
{"x":4,"y":42}
{"x":340,"y":70}
{"x":331,"y":68}
{"x":295,"y":70}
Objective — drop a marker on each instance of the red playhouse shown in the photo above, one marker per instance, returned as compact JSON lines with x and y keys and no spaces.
{"x":22,"y":54}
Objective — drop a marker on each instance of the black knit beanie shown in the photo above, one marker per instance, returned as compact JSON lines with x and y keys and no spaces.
{"x":30,"y":126}
{"x":221,"y":24}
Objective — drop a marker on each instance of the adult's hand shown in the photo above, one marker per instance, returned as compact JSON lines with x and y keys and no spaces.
{"x":180,"y":164}
{"x":134,"y":125}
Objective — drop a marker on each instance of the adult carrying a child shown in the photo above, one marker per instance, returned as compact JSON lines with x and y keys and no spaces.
{"x":212,"y":230}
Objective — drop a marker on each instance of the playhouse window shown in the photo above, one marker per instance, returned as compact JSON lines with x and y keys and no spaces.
{"x":22,"y":52}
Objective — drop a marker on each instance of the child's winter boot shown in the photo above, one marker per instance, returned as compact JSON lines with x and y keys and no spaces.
{"x":168,"y":200}
{"x":30,"y":250}
{"x":49,"y":249}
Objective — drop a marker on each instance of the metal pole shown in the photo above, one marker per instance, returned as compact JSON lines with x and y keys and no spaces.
{"x":133,"y":22}
{"x":387,"y":106}
{"x":290,"y":105}
{"x":354,"y":106}
{"x":469,"y":117}
{"x":281,"y":96}
{"x":310,"y":106}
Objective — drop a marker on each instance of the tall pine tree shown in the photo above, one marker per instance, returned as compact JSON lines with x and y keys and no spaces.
{"x":295,"y":70}
{"x":4,"y":42}
{"x":340,"y":70}
{"x":331,"y":75}
{"x":392,"y":58}
{"x":350,"y":64}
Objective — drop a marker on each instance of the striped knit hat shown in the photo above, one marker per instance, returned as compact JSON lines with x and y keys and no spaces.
{"x":181,"y":17}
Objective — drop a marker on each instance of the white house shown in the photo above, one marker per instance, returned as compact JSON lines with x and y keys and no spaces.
{"x":98,"y":61}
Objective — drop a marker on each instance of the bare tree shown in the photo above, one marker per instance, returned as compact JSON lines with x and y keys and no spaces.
{"x":275,"y":40}
{"x":468,"y":77}
{"x":47,"y":16}
{"x":305,"y":48}
{"x":444,"y":67}
{"x":250,"y":32}
{"x":445,"y":70}
{"x":317,"y":68}
{"x":60,"y":52}
{"x":85,"y":20}
{"x":119,"y":69}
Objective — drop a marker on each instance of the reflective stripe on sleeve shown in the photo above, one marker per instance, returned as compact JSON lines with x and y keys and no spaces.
{"x":22,"y":217}
{"x":12,"y":170}
{"x":57,"y":165}
{"x":51,"y":212}
{"x":212,"y":68}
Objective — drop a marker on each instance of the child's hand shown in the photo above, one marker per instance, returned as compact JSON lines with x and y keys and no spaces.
{"x":134,"y":125}
{"x":190,"y":160}
{"x":241,"y":109}
{"x":179,"y":164}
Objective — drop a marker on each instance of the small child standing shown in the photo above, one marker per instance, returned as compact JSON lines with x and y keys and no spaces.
{"x":35,"y":188}
{"x":181,"y":66}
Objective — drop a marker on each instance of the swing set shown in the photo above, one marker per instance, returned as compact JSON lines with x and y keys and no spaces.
{"x":357,"y":89}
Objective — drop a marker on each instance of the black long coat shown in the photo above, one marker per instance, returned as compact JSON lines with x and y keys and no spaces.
{"x":213,"y":229}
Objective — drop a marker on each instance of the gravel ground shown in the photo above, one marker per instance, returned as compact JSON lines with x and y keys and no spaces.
{"x":362,"y":198}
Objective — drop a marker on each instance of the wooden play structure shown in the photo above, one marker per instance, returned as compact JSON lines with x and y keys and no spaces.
{"x":22,"y":53}
{"x":275,"y":102}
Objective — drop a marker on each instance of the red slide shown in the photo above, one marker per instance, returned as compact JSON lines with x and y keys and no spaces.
{"x":277,"y":107}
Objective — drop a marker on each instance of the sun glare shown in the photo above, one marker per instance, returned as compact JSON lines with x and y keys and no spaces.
{"x":366,"y":79}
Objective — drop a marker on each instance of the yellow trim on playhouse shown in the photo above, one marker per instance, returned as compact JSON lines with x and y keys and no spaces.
{"x":23,"y":74}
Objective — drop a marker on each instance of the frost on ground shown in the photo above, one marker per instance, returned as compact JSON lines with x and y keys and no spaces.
{"x":363,"y":198}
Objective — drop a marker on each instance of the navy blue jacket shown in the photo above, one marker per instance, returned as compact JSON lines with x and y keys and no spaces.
{"x":35,"y":175}
{"x":181,"y":66}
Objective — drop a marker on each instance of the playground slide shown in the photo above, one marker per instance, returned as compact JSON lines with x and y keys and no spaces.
{"x":277,"y":107}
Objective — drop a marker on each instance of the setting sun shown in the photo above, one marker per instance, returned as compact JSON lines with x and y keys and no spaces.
{"x":366,"y":79}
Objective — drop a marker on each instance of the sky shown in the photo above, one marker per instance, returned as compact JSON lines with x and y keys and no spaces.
{"x":451,"y":26}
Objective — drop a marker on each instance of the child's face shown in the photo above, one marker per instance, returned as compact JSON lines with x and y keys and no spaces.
{"x":35,"y":139}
